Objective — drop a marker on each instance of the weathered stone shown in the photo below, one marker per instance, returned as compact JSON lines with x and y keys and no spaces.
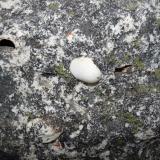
{"x":116,"y":119}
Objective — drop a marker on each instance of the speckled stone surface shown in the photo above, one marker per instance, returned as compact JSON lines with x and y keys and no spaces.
{"x":115,"y":119}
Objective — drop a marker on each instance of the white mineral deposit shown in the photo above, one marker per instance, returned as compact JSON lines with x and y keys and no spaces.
{"x":84,"y":69}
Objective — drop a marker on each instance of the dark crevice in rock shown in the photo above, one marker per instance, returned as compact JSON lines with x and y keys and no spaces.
{"x":7,"y":43}
{"x":47,"y":74}
{"x":122,"y":69}
{"x":7,"y":156}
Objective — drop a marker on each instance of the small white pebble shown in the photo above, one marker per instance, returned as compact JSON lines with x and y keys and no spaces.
{"x":80,"y":127}
{"x":75,"y":134}
{"x":126,"y":125}
{"x":84,"y":69}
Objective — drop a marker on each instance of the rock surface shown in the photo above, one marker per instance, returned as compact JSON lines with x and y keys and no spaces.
{"x":117,"y":119}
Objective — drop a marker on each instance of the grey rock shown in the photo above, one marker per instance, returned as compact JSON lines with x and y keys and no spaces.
{"x":116,"y":119}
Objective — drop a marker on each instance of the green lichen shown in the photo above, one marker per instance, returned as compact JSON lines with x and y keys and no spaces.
{"x":71,"y":13}
{"x":158,"y":88}
{"x":99,"y":92}
{"x":108,"y":110}
{"x":158,"y":22}
{"x":111,"y":58}
{"x":84,"y":98}
{"x":136,"y":43}
{"x":132,"y":120}
{"x":139,"y":63}
{"x":29,"y":115}
{"x":54,"y":6}
{"x":126,"y":57}
{"x":132,"y":6}
{"x":62,"y":72}
{"x":143,"y":88}
{"x":120,"y":141}
{"x":157,"y":73}
{"x":154,"y":88}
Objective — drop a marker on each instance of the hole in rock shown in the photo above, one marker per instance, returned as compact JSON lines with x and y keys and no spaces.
{"x":47,"y":74}
{"x":6,"y":43}
{"x":122,"y":69}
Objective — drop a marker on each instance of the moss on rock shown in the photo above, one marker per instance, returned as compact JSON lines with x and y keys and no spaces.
{"x":62,"y":72}
{"x":134,"y":121}
{"x":138,"y":63}
{"x":157,"y":73}
{"x":54,"y":6}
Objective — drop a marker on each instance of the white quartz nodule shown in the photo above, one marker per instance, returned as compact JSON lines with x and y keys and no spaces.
{"x":84,"y":69}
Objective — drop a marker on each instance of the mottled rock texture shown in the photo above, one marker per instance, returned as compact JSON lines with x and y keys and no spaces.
{"x":116,"y":119}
